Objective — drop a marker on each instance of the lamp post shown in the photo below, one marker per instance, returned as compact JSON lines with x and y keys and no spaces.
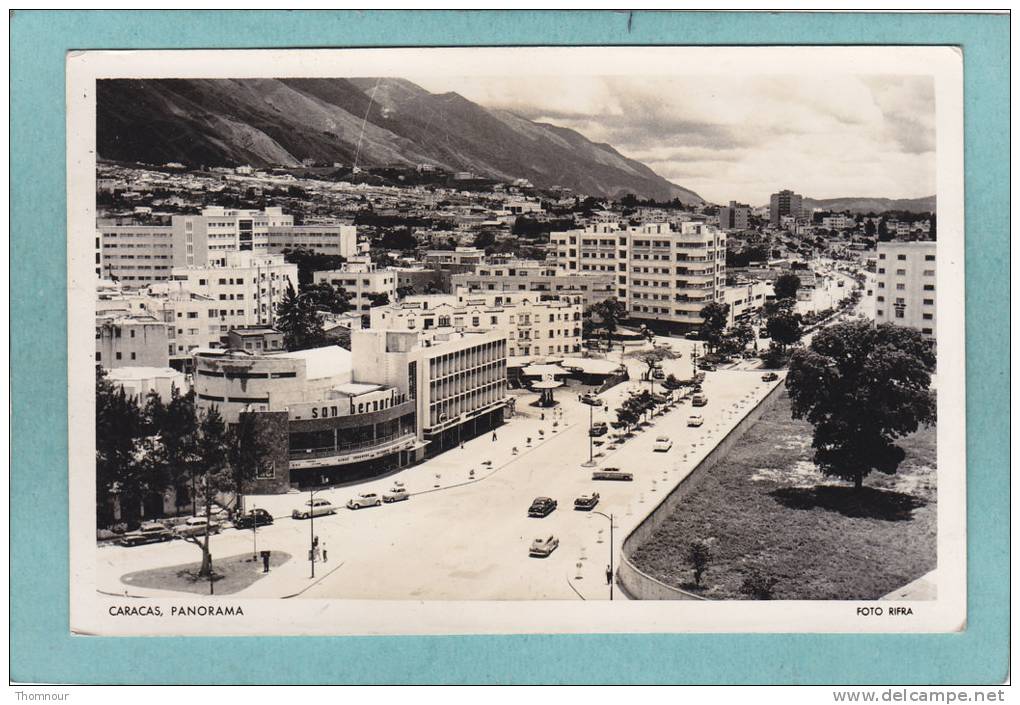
{"x":591,"y":440}
{"x":611,"y":571}
{"x":254,"y":535}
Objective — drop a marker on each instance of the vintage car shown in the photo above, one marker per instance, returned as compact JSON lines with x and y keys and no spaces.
{"x":599,"y":428}
{"x":662,"y":444}
{"x":148,"y":532}
{"x":769,"y":377}
{"x":591,"y":400}
{"x":695,"y":420}
{"x":542,"y":507}
{"x":586,"y":502}
{"x":699,"y":400}
{"x":612,"y":474}
{"x":365,"y":499}
{"x":195,"y":526}
{"x":543,"y":546}
{"x":314,"y":508}
{"x":256,"y":517}
{"x":397,"y":494}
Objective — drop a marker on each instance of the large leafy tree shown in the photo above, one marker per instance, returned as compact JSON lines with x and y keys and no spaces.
{"x":327,"y":297}
{"x":609,"y":312}
{"x":862,"y":387}
{"x":784,"y":326}
{"x":715,"y":316}
{"x":786,"y":286}
{"x":119,"y":428}
{"x":212,"y":452}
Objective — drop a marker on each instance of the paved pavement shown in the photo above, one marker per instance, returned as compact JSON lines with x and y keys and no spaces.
{"x":469,"y":538}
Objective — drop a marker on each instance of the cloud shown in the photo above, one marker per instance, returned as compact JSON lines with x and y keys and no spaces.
{"x":742,"y":137}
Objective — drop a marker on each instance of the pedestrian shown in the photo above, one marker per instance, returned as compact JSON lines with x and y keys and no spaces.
{"x":514,"y":451}
{"x":609,"y":575}
{"x":324,"y":560}
{"x":462,"y":445}
{"x":494,"y":436}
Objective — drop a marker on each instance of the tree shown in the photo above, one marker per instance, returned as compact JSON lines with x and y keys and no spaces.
{"x":862,"y":387}
{"x":783,"y":326}
{"x":758,"y":586}
{"x":398,"y":239}
{"x":652,"y":358}
{"x":308,"y":262}
{"x":212,"y":449}
{"x":380,"y":299}
{"x":736,"y":338}
{"x":715,"y":316}
{"x":610,"y":312}
{"x":327,"y":297}
{"x":786,"y":286}
{"x":869,"y":228}
{"x":300,"y":322}
{"x":405,"y":291}
{"x":698,"y":555}
{"x":118,"y":430}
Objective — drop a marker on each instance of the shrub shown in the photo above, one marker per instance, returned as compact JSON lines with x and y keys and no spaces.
{"x":758,"y":586}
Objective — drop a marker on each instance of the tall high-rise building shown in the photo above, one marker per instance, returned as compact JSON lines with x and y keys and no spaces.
{"x":785,"y":203}
{"x":905,"y":286}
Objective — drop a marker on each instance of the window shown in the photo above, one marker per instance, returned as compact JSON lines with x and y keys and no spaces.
{"x":132,"y":356}
{"x":929,"y":272}
{"x":474,"y":320}
{"x":881,"y":255}
{"x":901,"y":272}
{"x":881,"y":270}
{"x":880,"y":299}
{"x":901,"y":287}
{"x":899,"y":313}
{"x":880,"y":312}
{"x":929,"y":258}
{"x":927,"y":316}
{"x":118,"y":356}
{"x":929,"y":302}
{"x":929,"y":287}
{"x":926,"y":331}
{"x":901,"y":257}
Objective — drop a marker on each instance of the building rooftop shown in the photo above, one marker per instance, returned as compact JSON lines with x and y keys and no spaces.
{"x":123,"y":374}
{"x":330,"y":361}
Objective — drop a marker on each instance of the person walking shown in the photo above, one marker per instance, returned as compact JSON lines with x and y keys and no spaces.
{"x":493,"y":436}
{"x":609,"y":575}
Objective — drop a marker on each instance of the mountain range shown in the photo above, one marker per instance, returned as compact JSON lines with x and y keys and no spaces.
{"x":925,"y":204}
{"x":369,"y":122}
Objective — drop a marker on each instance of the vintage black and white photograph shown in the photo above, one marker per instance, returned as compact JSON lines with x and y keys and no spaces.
{"x":548,"y":328}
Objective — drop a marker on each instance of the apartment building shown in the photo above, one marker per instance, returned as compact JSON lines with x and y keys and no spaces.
{"x":533,"y":326}
{"x":531,"y":275}
{"x":905,"y":285}
{"x":458,"y":256}
{"x":363,"y":280}
{"x":746,"y":299}
{"x":131,"y":340}
{"x":735,"y":216}
{"x":665,"y":273}
{"x":785,"y":203}
{"x":138,"y":255}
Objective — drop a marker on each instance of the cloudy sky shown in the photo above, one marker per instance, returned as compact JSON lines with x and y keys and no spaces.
{"x":742,"y":138}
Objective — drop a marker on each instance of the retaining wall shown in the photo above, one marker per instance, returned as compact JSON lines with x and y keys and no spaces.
{"x":640,"y":585}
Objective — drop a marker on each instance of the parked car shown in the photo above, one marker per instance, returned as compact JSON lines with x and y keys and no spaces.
{"x":148,"y":532}
{"x":314,"y":507}
{"x":599,"y":428}
{"x":662,"y":444}
{"x":707,"y":366}
{"x":195,"y":526}
{"x":695,"y":420}
{"x":699,"y":400}
{"x":586,"y":502}
{"x":543,"y":546}
{"x":365,"y":499}
{"x":693,"y":335}
{"x":256,"y":517}
{"x":542,"y":507}
{"x":769,"y":377}
{"x":591,"y":399}
{"x":397,"y":494}
{"x":612,"y":474}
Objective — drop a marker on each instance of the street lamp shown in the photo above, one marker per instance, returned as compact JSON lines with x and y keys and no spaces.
{"x":254,"y":535}
{"x":591,"y":440}
{"x":611,"y":571}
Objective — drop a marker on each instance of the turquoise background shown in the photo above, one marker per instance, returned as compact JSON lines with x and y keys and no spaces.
{"x":42,"y":648}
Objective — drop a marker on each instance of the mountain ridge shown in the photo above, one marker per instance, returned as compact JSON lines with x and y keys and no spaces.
{"x":367,"y":121}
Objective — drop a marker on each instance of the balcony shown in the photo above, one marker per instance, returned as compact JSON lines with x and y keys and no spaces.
{"x":345,"y":453}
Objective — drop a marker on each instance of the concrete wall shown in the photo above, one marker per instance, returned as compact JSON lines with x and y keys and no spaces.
{"x":641,"y":586}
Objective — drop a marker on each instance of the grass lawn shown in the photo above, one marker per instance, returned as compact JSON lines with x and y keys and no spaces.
{"x":231,"y":574}
{"x":767,"y":508}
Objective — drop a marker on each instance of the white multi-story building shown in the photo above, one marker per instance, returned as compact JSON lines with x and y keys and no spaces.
{"x":533,"y":326}
{"x":363,"y":280}
{"x":840,"y":221}
{"x":905,"y":285}
{"x":131,"y":340}
{"x":746,"y":299}
{"x":735,"y":216}
{"x":138,"y":255}
{"x":461,"y":255}
{"x":664,"y":274}
{"x":531,"y":275}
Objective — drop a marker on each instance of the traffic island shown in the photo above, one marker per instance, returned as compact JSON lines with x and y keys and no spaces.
{"x":231,"y":574}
